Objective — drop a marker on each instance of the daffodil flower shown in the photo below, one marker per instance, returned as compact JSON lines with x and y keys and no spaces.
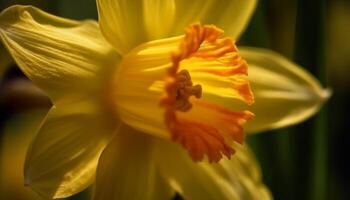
{"x":156,"y":94}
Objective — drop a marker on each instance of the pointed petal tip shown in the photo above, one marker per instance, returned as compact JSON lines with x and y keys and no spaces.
{"x":322,"y":96}
{"x":14,"y":12}
{"x":11,"y":8}
{"x":286,"y":94}
{"x":326,"y":94}
{"x":53,"y":51}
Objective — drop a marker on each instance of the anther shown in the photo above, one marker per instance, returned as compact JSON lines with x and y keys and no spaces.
{"x":186,"y":89}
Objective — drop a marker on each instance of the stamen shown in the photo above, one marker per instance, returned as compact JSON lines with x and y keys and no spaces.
{"x":185,"y":89}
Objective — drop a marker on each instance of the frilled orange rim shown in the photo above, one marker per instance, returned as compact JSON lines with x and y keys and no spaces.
{"x":212,"y":137}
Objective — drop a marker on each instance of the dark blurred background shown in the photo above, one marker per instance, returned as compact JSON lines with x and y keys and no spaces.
{"x":307,"y":161}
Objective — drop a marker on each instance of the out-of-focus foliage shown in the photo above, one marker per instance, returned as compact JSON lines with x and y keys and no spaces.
{"x":338,"y":68}
{"x":286,"y":155}
{"x":5,"y":61}
{"x":16,"y":136}
{"x":338,"y":45}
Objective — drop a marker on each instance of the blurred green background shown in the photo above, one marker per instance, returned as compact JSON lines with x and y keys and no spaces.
{"x":308,"y":161}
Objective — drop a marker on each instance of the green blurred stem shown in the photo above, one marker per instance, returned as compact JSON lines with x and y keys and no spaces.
{"x":310,"y":53}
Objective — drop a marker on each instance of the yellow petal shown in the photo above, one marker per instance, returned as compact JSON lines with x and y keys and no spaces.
{"x":235,"y":179}
{"x":63,"y":157}
{"x":230,"y":15}
{"x":59,"y":55}
{"x":134,"y":93}
{"x":127,"y":170}
{"x":285,"y":94}
{"x":243,"y":171}
{"x":126,"y":24}
{"x":121,"y":20}
{"x":120,"y":23}
{"x":158,"y":17}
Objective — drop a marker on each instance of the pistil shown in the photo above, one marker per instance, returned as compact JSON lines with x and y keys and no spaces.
{"x":186,"y":89}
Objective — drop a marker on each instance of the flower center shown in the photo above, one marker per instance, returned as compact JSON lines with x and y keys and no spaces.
{"x":192,"y":72}
{"x":185,"y":89}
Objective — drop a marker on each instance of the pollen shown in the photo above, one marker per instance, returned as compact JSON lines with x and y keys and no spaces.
{"x":204,"y":128}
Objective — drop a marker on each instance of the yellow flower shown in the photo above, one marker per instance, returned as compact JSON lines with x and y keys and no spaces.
{"x":136,"y":82}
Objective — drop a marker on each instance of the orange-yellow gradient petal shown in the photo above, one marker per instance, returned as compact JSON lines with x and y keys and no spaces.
{"x":205,"y":128}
